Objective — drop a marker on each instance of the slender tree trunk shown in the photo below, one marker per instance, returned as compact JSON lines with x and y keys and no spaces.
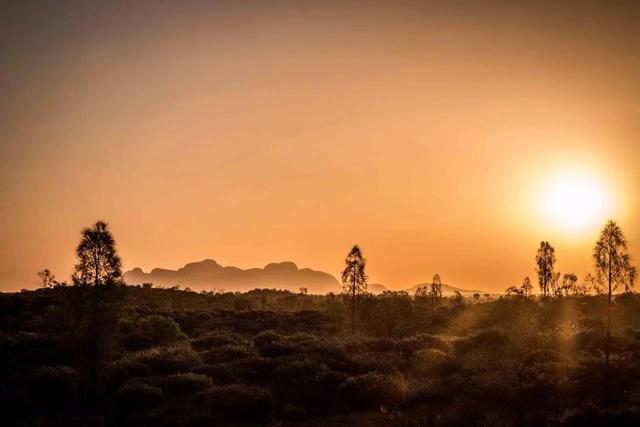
{"x":94,"y":345}
{"x":353,"y":306}
{"x":607,"y":350}
{"x":608,"y":344}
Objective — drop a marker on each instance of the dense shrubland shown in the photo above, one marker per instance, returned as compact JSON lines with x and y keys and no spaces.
{"x":176,"y":357}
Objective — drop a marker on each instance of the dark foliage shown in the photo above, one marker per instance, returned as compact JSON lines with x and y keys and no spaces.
{"x":177,"y":357}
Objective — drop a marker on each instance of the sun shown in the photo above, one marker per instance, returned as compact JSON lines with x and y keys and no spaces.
{"x":574,"y":201}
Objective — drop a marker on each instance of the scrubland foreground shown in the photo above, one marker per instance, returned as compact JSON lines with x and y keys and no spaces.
{"x":172,"y":357}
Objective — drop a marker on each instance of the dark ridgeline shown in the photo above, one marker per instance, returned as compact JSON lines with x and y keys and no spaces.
{"x":208,"y":275}
{"x":98,"y":352}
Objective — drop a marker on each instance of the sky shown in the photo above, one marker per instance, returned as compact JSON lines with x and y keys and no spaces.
{"x":445,"y":137}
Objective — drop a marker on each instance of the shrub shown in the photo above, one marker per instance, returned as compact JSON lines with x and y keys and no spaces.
{"x":238,"y":402}
{"x":215,"y":339}
{"x":184,"y":384}
{"x":169,"y":360}
{"x":430,"y":361}
{"x":371,"y":390}
{"x":136,"y":396}
{"x":434,"y":342}
{"x":226,"y":353}
{"x":271,"y":344}
{"x":160,"y":330}
{"x":494,"y":339}
{"x":292,"y":412}
{"x":377,"y":345}
{"x":52,"y":387}
{"x":594,"y":417}
{"x":135,"y":342}
{"x":119,"y":371}
{"x":220,"y":373}
{"x":408,"y":346}
{"x":254,"y":369}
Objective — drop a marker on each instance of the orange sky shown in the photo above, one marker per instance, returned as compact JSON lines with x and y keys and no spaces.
{"x":251,"y":132}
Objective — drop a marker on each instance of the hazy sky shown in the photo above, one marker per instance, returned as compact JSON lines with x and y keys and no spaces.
{"x":433,"y":134}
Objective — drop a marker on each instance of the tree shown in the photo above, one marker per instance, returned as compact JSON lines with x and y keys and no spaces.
{"x":47,"y":279}
{"x":436,"y":292}
{"x":592,"y":284}
{"x":513,"y":291}
{"x":99,"y":266}
{"x":526,"y":287}
{"x":568,"y":287}
{"x":545,"y":260}
{"x":422,"y":293}
{"x":393,"y":311}
{"x":457,"y":298}
{"x":354,"y":280}
{"x":524,"y":290}
{"x":436,"y":286}
{"x":613,"y":267}
{"x":630,"y":277}
{"x":98,"y":263}
{"x":511,"y":364}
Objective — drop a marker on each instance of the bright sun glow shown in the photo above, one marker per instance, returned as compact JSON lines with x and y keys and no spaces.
{"x":575,"y":201}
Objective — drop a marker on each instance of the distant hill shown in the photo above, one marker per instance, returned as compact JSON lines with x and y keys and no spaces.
{"x":209,"y":275}
{"x":376,"y":288}
{"x":447,"y":290}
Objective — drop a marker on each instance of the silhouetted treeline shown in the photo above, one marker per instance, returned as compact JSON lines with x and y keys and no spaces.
{"x":176,"y":357}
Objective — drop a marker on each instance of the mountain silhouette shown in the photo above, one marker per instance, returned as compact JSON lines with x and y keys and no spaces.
{"x":376,"y":288}
{"x":447,"y":290}
{"x":209,"y":275}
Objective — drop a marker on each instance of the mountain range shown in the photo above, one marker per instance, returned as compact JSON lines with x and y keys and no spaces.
{"x":209,"y":275}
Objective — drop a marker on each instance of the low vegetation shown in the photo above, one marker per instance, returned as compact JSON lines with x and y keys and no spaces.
{"x":175,"y":357}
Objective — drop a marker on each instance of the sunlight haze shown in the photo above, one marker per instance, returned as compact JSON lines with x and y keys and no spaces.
{"x":440,"y":138}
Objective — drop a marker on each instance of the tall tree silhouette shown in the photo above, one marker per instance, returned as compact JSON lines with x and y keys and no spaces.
{"x":526,"y":287}
{"x":545,"y":260}
{"x":98,"y":266}
{"x":613,"y":267}
{"x":354,"y":280}
{"x":436,"y":292}
{"x":98,"y":263}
